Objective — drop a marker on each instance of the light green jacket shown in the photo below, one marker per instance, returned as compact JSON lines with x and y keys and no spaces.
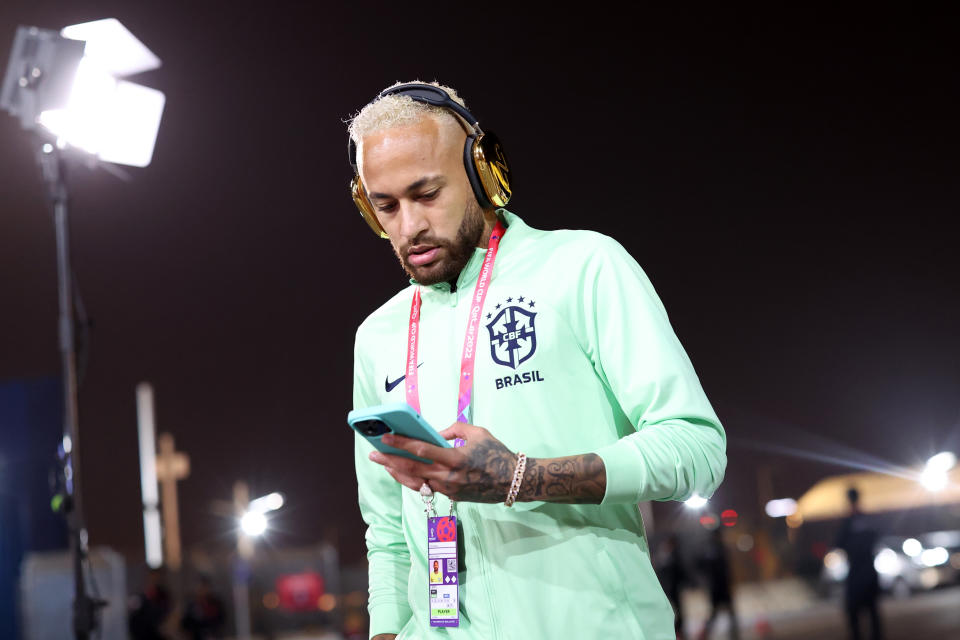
{"x":595,"y":367}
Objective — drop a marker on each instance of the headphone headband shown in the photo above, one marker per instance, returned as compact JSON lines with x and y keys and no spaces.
{"x":431,"y":95}
{"x":427,"y":94}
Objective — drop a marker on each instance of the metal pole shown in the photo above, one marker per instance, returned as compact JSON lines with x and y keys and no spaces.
{"x":152,"y":538}
{"x":241,"y":570}
{"x":84,"y":609}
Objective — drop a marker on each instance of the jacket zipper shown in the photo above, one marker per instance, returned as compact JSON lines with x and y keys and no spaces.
{"x":481,"y":556}
{"x":485,"y":571}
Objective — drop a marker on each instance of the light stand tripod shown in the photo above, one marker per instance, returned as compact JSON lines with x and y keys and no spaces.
{"x":85,"y":608}
{"x":69,"y":85}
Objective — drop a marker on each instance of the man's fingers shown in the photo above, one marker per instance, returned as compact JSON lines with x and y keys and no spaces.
{"x":399,"y":463}
{"x":457,"y":430}
{"x":413,"y":475}
{"x":410,"y":482}
{"x":420,"y":448}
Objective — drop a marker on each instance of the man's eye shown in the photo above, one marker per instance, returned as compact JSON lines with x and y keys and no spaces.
{"x":430,"y":195}
{"x":386,"y":208}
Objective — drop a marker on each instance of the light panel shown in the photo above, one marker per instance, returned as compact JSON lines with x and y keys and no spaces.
{"x":114,"y":119}
{"x":112,"y":47}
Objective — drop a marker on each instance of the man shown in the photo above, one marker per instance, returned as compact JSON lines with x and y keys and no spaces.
{"x":859,"y":540}
{"x":204,"y":615}
{"x":716,"y":567}
{"x":153,"y":607}
{"x":565,"y":354}
{"x":673,"y":578}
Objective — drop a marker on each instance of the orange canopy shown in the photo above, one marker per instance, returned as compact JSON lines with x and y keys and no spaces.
{"x":879,"y":492}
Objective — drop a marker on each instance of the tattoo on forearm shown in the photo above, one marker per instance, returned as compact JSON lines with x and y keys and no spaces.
{"x":489,"y":472}
{"x":575,"y":479}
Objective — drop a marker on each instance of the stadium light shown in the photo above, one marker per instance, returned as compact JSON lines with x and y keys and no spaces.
{"x":695,"y":502}
{"x":943,"y":461}
{"x":781,"y":508}
{"x":69,"y":86}
{"x":934,"y":476}
{"x":269,"y":502}
{"x":912,"y":547}
{"x":253,"y":523}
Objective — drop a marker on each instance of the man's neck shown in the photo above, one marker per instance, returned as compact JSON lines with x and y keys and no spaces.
{"x":489,"y":222}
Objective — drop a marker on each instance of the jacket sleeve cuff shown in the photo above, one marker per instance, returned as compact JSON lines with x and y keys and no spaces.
{"x":388,"y":617}
{"x":626,"y":474}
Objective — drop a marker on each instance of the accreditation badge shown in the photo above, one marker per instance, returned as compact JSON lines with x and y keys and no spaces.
{"x":442,"y":571}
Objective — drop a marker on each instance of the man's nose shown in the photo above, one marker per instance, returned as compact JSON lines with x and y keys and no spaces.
{"x":412,"y":220}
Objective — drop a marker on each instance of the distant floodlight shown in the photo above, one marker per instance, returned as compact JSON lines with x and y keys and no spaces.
{"x":934,"y":475}
{"x":781,"y":508}
{"x":887,"y":562}
{"x":836,"y":565}
{"x":69,"y":84}
{"x":253,"y":523}
{"x":695,"y":502}
{"x":269,"y":502}
{"x":912,"y":547}
{"x":943,"y":462}
{"x":934,"y":557}
{"x":933,"y":480}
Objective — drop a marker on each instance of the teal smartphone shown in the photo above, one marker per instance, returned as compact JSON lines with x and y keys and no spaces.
{"x":398,"y":417}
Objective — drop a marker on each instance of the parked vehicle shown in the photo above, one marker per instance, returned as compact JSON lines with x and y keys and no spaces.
{"x":905,"y":564}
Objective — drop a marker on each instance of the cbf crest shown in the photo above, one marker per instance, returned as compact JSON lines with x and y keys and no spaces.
{"x":513,"y":332}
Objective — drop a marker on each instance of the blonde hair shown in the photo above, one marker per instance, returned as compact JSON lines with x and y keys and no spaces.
{"x":398,"y":111}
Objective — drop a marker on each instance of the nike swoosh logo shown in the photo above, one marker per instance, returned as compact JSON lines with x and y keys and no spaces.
{"x":390,"y":386}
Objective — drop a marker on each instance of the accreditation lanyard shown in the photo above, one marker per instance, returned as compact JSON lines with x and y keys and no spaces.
{"x":469,"y":340}
{"x":442,"y":560}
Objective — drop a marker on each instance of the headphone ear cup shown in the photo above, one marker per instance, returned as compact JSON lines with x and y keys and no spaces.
{"x":491,"y":169}
{"x":473,"y":175}
{"x":359,"y":194}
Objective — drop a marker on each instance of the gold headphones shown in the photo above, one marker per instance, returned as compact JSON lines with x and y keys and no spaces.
{"x":483,"y":156}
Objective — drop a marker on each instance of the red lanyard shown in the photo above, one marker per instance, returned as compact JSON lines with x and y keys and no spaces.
{"x":469,"y":340}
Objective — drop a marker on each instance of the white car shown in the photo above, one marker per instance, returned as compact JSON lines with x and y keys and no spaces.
{"x":905,"y":565}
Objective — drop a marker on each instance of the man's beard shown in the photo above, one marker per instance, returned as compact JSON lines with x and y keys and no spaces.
{"x":455,"y":254}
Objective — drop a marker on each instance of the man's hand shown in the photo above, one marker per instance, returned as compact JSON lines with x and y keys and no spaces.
{"x":482,"y":470}
{"x":479,"y":471}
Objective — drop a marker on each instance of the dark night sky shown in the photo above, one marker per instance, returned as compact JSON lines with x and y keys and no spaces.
{"x":787,"y":181}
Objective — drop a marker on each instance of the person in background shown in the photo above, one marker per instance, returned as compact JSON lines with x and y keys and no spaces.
{"x":716,"y":567}
{"x":673,"y":577}
{"x":858,"y":540}
{"x":203,"y":618}
{"x":150,"y":608}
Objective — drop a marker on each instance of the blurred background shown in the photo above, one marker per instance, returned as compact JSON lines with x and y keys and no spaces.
{"x":785,"y":177}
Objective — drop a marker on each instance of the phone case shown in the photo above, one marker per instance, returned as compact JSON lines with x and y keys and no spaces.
{"x":401,"y":419}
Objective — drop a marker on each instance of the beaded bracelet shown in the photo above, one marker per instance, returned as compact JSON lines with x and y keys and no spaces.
{"x":517,"y":479}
